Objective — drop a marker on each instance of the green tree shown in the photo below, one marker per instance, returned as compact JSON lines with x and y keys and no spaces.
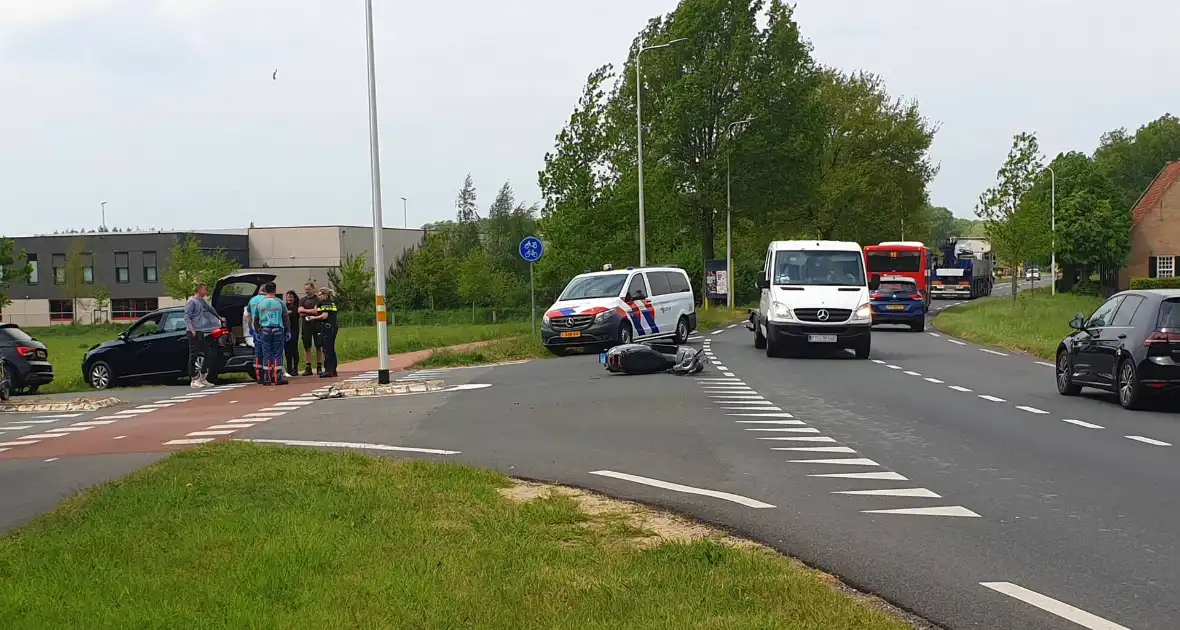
{"x":76,"y":287}
{"x":1131,"y":162}
{"x":14,"y":267}
{"x":467,"y":215}
{"x":1017,"y":232}
{"x":353,"y":283}
{"x":102,"y":300}
{"x":473,"y":275}
{"x":434,"y":269}
{"x":190,"y":264}
{"x":942,"y":226}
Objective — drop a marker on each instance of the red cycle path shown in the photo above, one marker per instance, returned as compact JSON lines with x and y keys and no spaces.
{"x":148,"y":432}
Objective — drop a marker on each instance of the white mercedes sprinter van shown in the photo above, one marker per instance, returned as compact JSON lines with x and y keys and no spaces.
{"x":814,"y":293}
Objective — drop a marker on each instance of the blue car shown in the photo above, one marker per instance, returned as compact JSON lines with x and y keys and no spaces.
{"x":898,"y":301}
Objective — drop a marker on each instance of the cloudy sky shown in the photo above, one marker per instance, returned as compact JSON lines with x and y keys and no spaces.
{"x":166,"y":109}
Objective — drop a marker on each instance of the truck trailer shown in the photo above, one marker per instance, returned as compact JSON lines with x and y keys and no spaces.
{"x":960,"y":273}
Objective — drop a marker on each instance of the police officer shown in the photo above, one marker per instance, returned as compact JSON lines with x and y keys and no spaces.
{"x":328,"y":328}
{"x":310,"y":330}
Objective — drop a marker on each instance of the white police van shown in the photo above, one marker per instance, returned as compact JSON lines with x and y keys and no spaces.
{"x":814,"y":293}
{"x":610,"y":307}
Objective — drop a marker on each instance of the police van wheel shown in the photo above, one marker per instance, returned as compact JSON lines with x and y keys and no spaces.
{"x":682,"y":332}
{"x":624,"y":333}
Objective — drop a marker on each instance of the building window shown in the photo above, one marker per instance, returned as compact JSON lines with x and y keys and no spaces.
{"x":1164,"y":266}
{"x":150,"y":272}
{"x":61,"y":310}
{"x":133,"y":308}
{"x":122,"y":267}
{"x":88,"y":268}
{"x":34,"y":271}
{"x":59,"y":269}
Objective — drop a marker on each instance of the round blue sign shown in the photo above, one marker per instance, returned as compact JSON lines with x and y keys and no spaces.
{"x":531,"y":249}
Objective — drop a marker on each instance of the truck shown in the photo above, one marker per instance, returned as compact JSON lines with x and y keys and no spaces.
{"x":961,"y":273}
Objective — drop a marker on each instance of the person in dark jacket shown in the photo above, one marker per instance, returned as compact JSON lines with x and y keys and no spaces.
{"x":291,"y":349}
{"x":327,"y":319}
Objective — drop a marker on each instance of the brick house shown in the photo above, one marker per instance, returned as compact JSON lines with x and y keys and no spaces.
{"x":1155,"y":230}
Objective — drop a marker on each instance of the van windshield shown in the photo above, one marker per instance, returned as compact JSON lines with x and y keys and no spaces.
{"x":819,"y":268}
{"x":610,"y":285}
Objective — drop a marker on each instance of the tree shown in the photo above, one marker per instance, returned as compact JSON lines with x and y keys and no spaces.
{"x":102,"y":299}
{"x":190,"y":264}
{"x":1017,"y":232}
{"x":353,"y":283}
{"x":76,"y":287}
{"x":467,"y":215}
{"x":1132,"y":162}
{"x":473,"y":276}
{"x":14,"y":267}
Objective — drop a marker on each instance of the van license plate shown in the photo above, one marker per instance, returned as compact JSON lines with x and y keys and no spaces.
{"x":821,"y":338}
{"x":570,"y":335}
{"x":896,"y":307}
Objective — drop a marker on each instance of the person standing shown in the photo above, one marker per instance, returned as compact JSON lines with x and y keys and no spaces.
{"x":271,"y":321}
{"x":327,"y":319}
{"x":250,"y":331}
{"x":200,"y":319}
{"x":291,"y":348}
{"x":311,"y":329}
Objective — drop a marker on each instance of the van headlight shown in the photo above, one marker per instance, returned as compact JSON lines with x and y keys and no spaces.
{"x":545,"y":319}
{"x":603,"y":316}
{"x":781,"y":312}
{"x":864,"y":312}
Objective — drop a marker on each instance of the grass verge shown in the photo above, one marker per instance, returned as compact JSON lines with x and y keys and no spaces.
{"x":1035,"y":323}
{"x":244,"y":536}
{"x":710,"y":320}
{"x":513,"y":349}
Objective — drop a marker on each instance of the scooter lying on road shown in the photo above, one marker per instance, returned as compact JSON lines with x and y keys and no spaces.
{"x":638,"y":358}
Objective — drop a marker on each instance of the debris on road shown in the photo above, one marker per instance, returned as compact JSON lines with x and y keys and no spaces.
{"x":44,"y":404}
{"x":373,"y":388}
{"x":638,"y":358}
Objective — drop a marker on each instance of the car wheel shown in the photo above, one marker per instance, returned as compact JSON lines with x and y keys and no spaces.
{"x":919,"y":325}
{"x":1065,"y":384}
{"x":624,"y":333}
{"x":198,"y":365}
{"x":862,"y":349}
{"x":759,"y":339}
{"x":1130,"y":391}
{"x":100,"y":376}
{"x":682,"y":332}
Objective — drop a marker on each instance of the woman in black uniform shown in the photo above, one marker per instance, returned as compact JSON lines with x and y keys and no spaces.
{"x":291,"y":349}
{"x":328,"y":329}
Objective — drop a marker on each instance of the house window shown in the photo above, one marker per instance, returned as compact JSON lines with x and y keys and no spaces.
{"x":34,"y":271}
{"x":122,"y":267}
{"x":61,"y":310}
{"x":150,"y":272}
{"x":59,"y":269}
{"x":88,"y":268}
{"x":1165,"y":266}
{"x":133,"y":308}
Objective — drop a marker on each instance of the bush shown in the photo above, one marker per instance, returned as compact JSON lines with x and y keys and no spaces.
{"x":1087,"y":287}
{"x":1155,"y":283}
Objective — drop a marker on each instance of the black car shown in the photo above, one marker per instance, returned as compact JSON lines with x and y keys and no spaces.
{"x":155,"y":347}
{"x":26,"y":360}
{"x":1130,"y":345}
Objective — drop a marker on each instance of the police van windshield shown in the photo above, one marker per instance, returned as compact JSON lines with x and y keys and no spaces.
{"x":819,"y":268}
{"x":610,"y":285}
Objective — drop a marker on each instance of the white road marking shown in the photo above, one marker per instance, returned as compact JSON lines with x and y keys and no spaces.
{"x":111,"y":418}
{"x":892,"y":367}
{"x":747,"y":407}
{"x":793,"y":422}
{"x":781,"y":414}
{"x":958,"y":388}
{"x":1083,"y":424}
{"x":933,"y":334}
{"x":934,"y":380}
{"x":950,"y":510}
{"x":1050,"y":605}
{"x":911,"y":373}
{"x":294,"y":403}
{"x":721,"y":367}
{"x":805,"y":438}
{"x":727,"y":388}
{"x":715,"y":362}
{"x":920,"y":493}
{"x":779,"y":429}
{"x":1031,"y":409}
{"x":1137,"y":438}
{"x":19,"y":443}
{"x":728,"y":373}
{"x":735,"y":498}
{"x":39,"y":421}
{"x":991,"y":398}
{"x":20,"y":427}
{"x":816,"y":449}
{"x":851,"y":461}
{"x":745,"y":404}
{"x":738,"y":396}
{"x":204,"y":433}
{"x":957,"y":342}
{"x":999,"y":354}
{"x":60,"y":416}
{"x":283,"y":409}
{"x":92,"y":423}
{"x":716,"y":332}
{"x":265,"y":414}
{"x":877,"y":361}
{"x":51,"y":459}
{"x":155,"y":405}
{"x":1046,"y":364}
{"x":720,"y":380}
{"x":882,"y":476}
{"x":133,"y":412}
{"x":235,"y":427}
{"x":119,"y":437}
{"x":42,"y":436}
{"x":187,"y":441}
{"x":798,"y":430}
{"x":247,"y":421}
{"x":355,"y":445}
{"x":69,"y":429}
{"x":732,"y":326}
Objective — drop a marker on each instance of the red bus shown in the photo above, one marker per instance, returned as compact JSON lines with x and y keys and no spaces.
{"x":906,"y":259}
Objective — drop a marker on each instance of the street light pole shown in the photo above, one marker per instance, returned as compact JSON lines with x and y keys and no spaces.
{"x":729,"y":218}
{"x":104,"y":214}
{"x":1053,"y":229}
{"x":405,"y":213}
{"x":639,"y":144}
{"x":378,"y":224}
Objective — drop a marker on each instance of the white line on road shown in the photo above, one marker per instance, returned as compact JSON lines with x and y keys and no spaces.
{"x":716,"y":332}
{"x":956,"y":342}
{"x":797,"y":430}
{"x":355,"y":445}
{"x":204,"y":433}
{"x":133,"y":412}
{"x":1031,"y":409}
{"x":816,"y":449}
{"x":732,"y":326}
{"x":119,"y":437}
{"x":39,"y":421}
{"x":715,"y":362}
{"x":999,"y":354}
{"x":934,"y":334}
{"x":851,"y":461}
{"x":721,"y":380}
{"x":781,"y":414}
{"x":1137,"y":438}
{"x":266,"y":414}
{"x":1046,"y":364}
{"x":749,"y":408}
{"x":911,"y":373}
{"x":187,"y":441}
{"x":235,"y":427}
{"x":93,"y":423}
{"x":111,"y":418}
{"x":59,"y":416}
{"x":20,"y":427}
{"x":1048,"y":604}
{"x":735,"y":498}
{"x":727,"y":388}
{"x":728,"y":373}
{"x":892,"y":367}
{"x":294,"y":403}
{"x":878,"y":361}
{"x":881,"y":476}
{"x":792,"y":422}
{"x":18,"y":443}
{"x":738,"y":396}
{"x":70,"y":429}
{"x":41,"y":436}
{"x":283,"y":409}
{"x":157,"y":405}
{"x":991,"y":398}
{"x":1083,"y":424}
{"x":958,"y":388}
{"x":920,"y":493}
{"x":786,"y":430}
{"x":934,"y":380}
{"x":804,"y":438}
{"x":950,"y":510}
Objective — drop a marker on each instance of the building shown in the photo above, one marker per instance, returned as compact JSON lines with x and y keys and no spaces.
{"x":129,"y":265}
{"x":1155,"y":230}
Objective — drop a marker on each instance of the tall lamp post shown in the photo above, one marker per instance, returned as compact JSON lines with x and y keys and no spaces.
{"x":639,"y":143}
{"x":729,"y":216}
{"x":104,"y":214}
{"x":1053,"y":229}
{"x":405,"y":212}
{"x":378,"y":225}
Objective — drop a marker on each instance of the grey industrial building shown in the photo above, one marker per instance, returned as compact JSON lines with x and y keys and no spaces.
{"x":130,"y":265}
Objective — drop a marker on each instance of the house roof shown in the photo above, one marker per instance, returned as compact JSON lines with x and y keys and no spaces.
{"x":1155,"y":192}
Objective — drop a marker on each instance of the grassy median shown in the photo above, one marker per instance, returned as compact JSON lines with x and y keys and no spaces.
{"x":1035,"y":323}
{"x":244,"y":536}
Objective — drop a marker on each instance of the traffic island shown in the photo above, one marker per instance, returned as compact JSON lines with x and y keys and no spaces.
{"x":350,"y":389}
{"x":263,"y":536}
{"x":59,"y":405}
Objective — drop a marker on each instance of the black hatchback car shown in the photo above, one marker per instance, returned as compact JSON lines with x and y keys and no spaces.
{"x":25,"y":360}
{"x":155,"y":347}
{"x":1130,"y":345}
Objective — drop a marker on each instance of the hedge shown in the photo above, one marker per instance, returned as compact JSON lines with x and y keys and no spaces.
{"x":1155,"y":283}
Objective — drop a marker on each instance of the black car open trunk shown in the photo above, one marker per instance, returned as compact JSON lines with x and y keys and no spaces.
{"x":232,"y":292}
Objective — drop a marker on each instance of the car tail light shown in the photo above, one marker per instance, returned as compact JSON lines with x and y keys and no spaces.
{"x":876,"y":295}
{"x":1161,"y":336}
{"x":915,"y":296}
{"x":25,"y":352}
{"x":218,"y":332}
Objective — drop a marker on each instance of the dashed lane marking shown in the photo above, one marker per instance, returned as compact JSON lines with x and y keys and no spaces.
{"x":18,"y":443}
{"x":233,"y":427}
{"x":911,"y":373}
{"x":20,"y":427}
{"x":188,"y":441}
{"x":779,"y":414}
{"x":892,"y":367}
{"x":43,"y":436}
{"x":205,"y":433}
{"x":916,"y":493}
{"x":728,"y":373}
{"x":59,"y":416}
{"x":791,"y":422}
{"x":991,"y":398}
{"x":959,"y":388}
{"x":817,"y":449}
{"x":716,"y":332}
{"x":70,"y":429}
{"x":933,"y":334}
{"x":355,"y":445}
{"x":738,"y":396}
{"x":1086,"y":425}
{"x":803,"y":438}
{"x":734,"y":498}
{"x":880,"y":476}
{"x":799,"y":430}
{"x":934,"y":380}
{"x":1046,"y":364}
{"x":748,"y":407}
{"x":93,"y":423}
{"x":850,"y":461}
{"x":1031,"y":409}
{"x":999,"y":354}
{"x":950,"y":510}
{"x":1053,"y":606}
{"x":1146,"y":440}
{"x":957,"y":342}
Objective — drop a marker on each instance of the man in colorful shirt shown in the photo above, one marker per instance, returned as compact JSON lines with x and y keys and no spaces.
{"x":271,"y":323}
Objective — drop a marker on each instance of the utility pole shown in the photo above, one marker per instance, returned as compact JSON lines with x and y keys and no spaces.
{"x":104,"y":215}
{"x":729,"y":217}
{"x":378,"y":225}
{"x":1053,"y":228}
{"x":405,"y":213}
{"x":639,"y":143}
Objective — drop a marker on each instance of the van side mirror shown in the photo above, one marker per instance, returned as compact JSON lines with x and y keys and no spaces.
{"x":874,"y":282}
{"x":762,"y":283}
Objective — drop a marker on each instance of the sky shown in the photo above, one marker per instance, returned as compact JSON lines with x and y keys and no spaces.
{"x":167,"y":109}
